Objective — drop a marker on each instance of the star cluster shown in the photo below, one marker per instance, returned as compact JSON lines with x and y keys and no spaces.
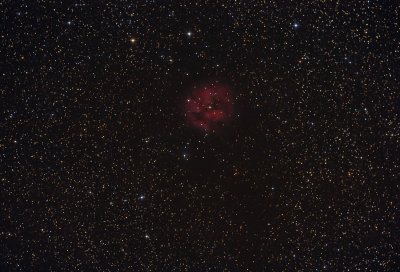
{"x":99,"y":170}
{"x":209,"y":107}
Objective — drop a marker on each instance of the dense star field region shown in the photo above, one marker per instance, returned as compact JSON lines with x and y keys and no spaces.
{"x":100,"y":169}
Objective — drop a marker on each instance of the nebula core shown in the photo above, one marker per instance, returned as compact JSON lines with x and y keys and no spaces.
{"x":209,"y":107}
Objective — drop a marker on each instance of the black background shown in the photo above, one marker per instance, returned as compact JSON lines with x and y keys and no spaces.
{"x":99,"y":171}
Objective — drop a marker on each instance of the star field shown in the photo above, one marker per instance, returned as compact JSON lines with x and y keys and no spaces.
{"x":99,"y":170}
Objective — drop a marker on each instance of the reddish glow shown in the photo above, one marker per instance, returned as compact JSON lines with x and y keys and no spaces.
{"x":209,"y":107}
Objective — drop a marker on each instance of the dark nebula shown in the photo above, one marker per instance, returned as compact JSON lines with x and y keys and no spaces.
{"x":200,"y":136}
{"x":209,"y":107}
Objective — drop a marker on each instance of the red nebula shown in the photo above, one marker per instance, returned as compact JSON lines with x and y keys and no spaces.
{"x":209,"y":107}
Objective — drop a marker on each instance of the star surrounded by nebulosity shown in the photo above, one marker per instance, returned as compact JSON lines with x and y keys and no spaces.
{"x":209,"y":107}
{"x":285,"y":158}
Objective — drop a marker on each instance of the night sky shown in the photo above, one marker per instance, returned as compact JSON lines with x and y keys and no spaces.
{"x":285,"y":158}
